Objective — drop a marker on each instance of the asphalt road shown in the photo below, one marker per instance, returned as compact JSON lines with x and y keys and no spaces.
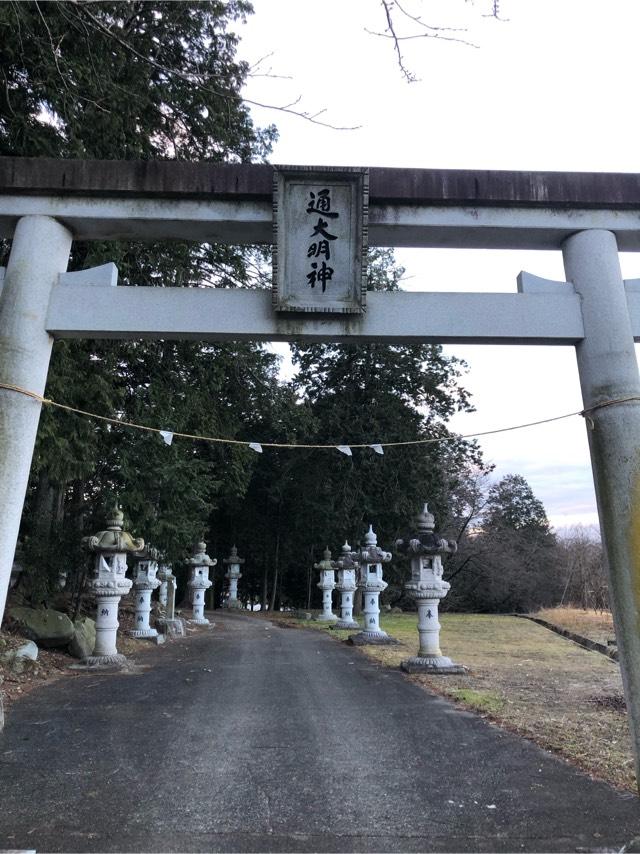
{"x":255,"y":738}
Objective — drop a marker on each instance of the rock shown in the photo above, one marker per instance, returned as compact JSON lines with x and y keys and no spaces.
{"x":21,"y":658}
{"x":27,"y":650}
{"x":84,"y":637}
{"x":396,"y":610}
{"x":49,"y":628}
{"x":303,"y":615}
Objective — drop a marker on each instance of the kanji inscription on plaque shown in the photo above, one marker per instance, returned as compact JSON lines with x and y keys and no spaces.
{"x":320,"y":235}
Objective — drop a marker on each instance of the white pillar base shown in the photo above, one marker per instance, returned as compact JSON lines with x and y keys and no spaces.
{"x":437,"y":664}
{"x":104,"y":660}
{"x":142,"y":633}
{"x":378,"y":637}
{"x":346,"y":624}
{"x":326,"y":618}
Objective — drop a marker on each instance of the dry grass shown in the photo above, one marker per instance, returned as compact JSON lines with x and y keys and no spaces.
{"x":531,"y":681}
{"x":595,"y":625}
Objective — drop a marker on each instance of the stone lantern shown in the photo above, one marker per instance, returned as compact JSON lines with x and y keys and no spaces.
{"x":370,"y":581}
{"x":165,"y":571}
{"x":347,"y":571}
{"x":144,"y":582}
{"x":233,"y":563}
{"x":426,"y":587}
{"x":168,"y":623}
{"x":327,"y":584}
{"x":108,"y":584}
{"x":199,"y":582}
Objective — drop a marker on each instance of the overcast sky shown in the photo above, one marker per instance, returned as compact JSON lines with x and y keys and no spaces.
{"x":550,"y":87}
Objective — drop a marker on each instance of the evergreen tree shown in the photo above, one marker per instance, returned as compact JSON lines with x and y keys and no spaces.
{"x":135,"y":80}
{"x":510,"y":561}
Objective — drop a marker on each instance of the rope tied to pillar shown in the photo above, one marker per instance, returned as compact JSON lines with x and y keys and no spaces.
{"x":259,"y":445}
{"x":586,"y":413}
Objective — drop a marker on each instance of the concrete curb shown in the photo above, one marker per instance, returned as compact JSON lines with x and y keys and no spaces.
{"x":594,"y":646}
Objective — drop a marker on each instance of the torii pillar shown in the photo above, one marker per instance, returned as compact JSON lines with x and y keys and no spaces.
{"x":39,"y":253}
{"x":608,"y":372}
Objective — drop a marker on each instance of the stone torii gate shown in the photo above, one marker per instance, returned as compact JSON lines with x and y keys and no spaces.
{"x":46,"y":204}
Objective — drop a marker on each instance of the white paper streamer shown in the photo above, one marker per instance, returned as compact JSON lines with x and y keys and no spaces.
{"x":377,"y":448}
{"x":256,"y":446}
{"x":167,"y":435}
{"x":344,"y":449}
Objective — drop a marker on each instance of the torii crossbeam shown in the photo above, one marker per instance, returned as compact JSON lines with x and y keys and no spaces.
{"x":46,"y":204}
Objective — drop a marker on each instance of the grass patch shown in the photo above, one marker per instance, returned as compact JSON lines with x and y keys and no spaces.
{"x":595,"y":625}
{"x":481,"y":700}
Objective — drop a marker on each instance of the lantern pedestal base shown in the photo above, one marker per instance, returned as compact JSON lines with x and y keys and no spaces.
{"x":437,"y":664}
{"x":104,"y":660}
{"x":371,"y":637}
{"x":346,"y":624}
{"x":200,"y":621}
{"x":143,"y":633}
{"x":233,"y":603}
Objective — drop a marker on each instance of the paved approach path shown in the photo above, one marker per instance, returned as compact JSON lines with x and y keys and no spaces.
{"x":251,"y":737}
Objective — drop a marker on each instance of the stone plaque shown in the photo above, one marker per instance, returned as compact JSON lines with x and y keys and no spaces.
{"x":320,"y":236}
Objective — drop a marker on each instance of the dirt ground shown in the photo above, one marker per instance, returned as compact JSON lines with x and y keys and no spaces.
{"x":529,"y":680}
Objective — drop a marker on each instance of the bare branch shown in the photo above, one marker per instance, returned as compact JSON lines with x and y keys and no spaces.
{"x":392,"y":9}
{"x":253,"y":70}
{"x":193,"y":79}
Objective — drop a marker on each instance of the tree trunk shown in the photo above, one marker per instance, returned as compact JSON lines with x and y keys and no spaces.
{"x":276,"y":567}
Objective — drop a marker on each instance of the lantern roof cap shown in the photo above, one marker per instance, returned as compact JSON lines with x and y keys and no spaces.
{"x":425,"y":520}
{"x":199,"y":556}
{"x":370,"y":537}
{"x":114,"y":539}
{"x":326,"y":564}
{"x":233,"y":557}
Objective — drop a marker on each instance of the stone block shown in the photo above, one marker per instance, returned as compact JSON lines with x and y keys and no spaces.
{"x":47,"y":627}
{"x":171,"y":628}
{"x":84,"y":638}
